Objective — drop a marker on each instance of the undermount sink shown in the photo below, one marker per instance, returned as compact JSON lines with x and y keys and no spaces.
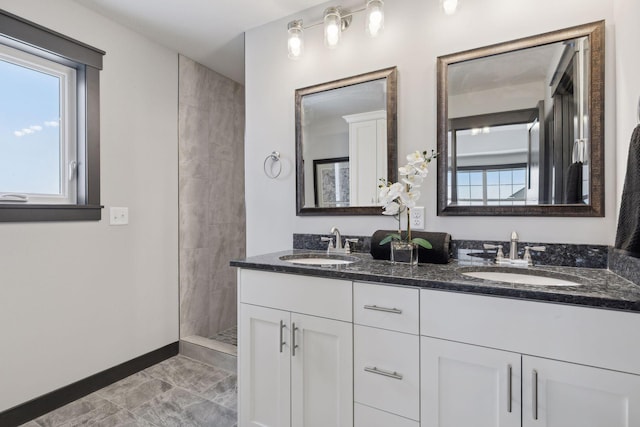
{"x":521,"y":276}
{"x":319,"y":259}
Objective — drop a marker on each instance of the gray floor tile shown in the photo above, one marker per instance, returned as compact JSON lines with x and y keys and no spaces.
{"x":133,"y":391}
{"x":224,"y":393}
{"x":180,"y":408}
{"x":85,"y":411}
{"x":176,"y":392}
{"x":183,"y":372}
{"x":123,"y":418}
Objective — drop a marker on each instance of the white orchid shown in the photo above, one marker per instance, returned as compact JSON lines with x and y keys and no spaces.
{"x":407,"y":170}
{"x":416,"y":157}
{"x":412,"y":180}
{"x":409,"y":198}
{"x":402,"y":196}
{"x":422,"y":169}
{"x":392,"y":208}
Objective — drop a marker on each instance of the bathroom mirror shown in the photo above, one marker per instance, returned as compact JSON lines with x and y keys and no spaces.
{"x":521,"y":126}
{"x":345,"y":143}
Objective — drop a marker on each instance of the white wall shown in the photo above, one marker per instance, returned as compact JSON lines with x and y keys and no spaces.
{"x":416,"y":33}
{"x":77,"y":298}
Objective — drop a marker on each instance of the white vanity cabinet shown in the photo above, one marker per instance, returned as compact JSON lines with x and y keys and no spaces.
{"x":573,"y":366}
{"x":386,"y":356}
{"x":295,"y":353}
{"x":468,"y":385}
{"x":318,"y":352}
{"x":566,"y":394}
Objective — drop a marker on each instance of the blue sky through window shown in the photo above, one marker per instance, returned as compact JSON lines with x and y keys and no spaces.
{"x":29,"y":130}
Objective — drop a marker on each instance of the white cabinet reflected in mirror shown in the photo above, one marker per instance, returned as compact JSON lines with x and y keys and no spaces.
{"x":345,"y":143}
{"x":520,"y":126}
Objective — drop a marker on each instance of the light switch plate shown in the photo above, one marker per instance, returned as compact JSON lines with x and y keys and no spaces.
{"x":118,"y":216}
{"x":416,"y":215}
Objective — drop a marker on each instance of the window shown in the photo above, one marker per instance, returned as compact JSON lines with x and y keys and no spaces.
{"x":491,"y":186}
{"x":38,"y":148}
{"x":49,"y":125}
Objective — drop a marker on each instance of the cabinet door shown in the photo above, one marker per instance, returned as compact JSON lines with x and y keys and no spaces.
{"x":466,"y":385}
{"x":560,"y":394}
{"x":321,"y":372}
{"x":264,"y":367}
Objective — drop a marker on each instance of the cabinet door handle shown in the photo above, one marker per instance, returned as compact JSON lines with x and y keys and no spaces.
{"x":375,"y":370}
{"x":385,"y":309}
{"x":534,"y":394}
{"x":282,"y":342}
{"x":294,"y":328}
{"x":509,"y":387}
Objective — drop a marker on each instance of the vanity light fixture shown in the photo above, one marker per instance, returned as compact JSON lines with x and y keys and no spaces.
{"x":375,"y":17}
{"x":333,"y":27}
{"x":449,"y":6}
{"x":295,"y":42}
{"x":335,"y":20}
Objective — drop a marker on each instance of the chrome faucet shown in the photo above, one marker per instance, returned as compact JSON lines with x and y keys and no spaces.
{"x":338,"y":246}
{"x":513,"y":252}
{"x":513,"y":249}
{"x":338,"y":238}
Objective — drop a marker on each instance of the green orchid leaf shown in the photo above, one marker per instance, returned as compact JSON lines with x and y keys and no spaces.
{"x":389,"y":238}
{"x":422,"y":242}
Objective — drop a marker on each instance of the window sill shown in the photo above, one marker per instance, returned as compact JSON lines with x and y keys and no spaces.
{"x":40,"y":213}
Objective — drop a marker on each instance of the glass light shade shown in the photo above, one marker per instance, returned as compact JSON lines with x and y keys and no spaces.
{"x":449,"y":6}
{"x":332,"y":27}
{"x":295,"y":40}
{"x":375,"y":17}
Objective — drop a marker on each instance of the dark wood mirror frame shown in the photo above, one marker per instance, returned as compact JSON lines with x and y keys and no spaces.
{"x":390,"y":74}
{"x":595,"y":32}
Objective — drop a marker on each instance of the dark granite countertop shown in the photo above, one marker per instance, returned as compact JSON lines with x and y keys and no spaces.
{"x":600,"y":288}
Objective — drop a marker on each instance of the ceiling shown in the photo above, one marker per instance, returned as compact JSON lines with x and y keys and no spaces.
{"x":210,"y":32}
{"x":504,"y":70}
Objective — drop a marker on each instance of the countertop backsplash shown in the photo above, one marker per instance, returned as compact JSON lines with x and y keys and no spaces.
{"x":558,"y":254}
{"x":624,"y":265}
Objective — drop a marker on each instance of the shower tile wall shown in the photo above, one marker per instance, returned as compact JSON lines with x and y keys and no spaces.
{"x":211,"y":199}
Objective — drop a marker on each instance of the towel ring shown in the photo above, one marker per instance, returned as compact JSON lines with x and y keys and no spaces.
{"x":275,"y":160}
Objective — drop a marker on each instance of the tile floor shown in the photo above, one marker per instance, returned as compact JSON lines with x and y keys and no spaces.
{"x":177,"y":392}
{"x":229,"y":336}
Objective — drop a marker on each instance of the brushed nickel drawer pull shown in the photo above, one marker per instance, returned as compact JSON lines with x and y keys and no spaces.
{"x":375,"y":370}
{"x":282,"y":342}
{"x":534,"y":393}
{"x":294,"y":329}
{"x":385,"y":309}
{"x":509,"y":388}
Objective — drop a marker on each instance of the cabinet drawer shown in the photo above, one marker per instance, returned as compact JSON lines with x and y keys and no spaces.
{"x":366,"y":416}
{"x":588,"y":336}
{"x":387,"y":307}
{"x":300,"y":294}
{"x":386,"y":370}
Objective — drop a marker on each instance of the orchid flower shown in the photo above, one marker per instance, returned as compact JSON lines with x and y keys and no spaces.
{"x":401,"y":196}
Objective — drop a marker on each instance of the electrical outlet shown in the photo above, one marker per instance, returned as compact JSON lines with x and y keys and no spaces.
{"x":118,"y":216}
{"x":417,"y":218}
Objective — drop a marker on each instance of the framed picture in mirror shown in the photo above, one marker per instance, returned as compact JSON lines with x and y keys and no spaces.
{"x":331,"y":182}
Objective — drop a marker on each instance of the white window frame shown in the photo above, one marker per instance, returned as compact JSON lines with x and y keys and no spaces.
{"x":68,"y":145}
